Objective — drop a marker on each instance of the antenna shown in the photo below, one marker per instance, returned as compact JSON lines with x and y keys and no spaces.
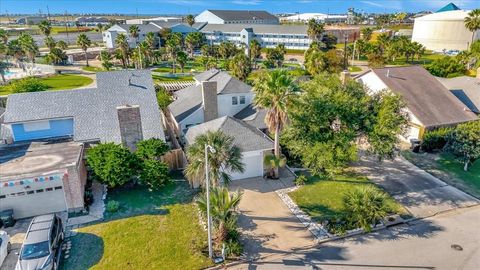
{"x":388,"y":73}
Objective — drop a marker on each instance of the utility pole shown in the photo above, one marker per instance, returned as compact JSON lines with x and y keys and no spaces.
{"x":345,"y":35}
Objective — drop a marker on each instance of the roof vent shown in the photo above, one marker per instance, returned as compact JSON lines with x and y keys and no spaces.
{"x":388,"y":73}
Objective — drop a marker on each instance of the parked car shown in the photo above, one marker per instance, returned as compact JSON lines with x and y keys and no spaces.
{"x":4,"y":246}
{"x":41,"y":249}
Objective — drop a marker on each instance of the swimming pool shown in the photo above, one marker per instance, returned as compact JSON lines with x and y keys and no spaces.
{"x":9,"y":73}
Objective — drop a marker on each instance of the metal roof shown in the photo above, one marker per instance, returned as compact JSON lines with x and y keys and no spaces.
{"x":242,"y":15}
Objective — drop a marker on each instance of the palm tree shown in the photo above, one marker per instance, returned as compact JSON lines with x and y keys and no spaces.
{"x":315,"y":30}
{"x":45,"y":27}
{"x":273,"y":163}
{"x":194,"y":40}
{"x":254,"y":51}
{"x":84,"y":42}
{"x":472,"y":22}
{"x":240,"y":66}
{"x":62,"y":45}
{"x":190,"y":20}
{"x":367,"y":33}
{"x":173,"y":47}
{"x":29,"y":46}
{"x":182,"y":59}
{"x":14,"y":49}
{"x":121,"y":41}
{"x":106,"y":60}
{"x":275,"y":91}
{"x":134,"y":32}
{"x":50,"y":42}
{"x":3,"y":36}
{"x":382,"y":41}
{"x":227,"y":49}
{"x":222,"y":209}
{"x":227,"y":158}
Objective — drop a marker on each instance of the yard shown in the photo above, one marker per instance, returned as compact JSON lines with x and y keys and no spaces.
{"x":322,"y":198}
{"x":151,"y":230}
{"x":57,"y":82}
{"x":446,"y":167}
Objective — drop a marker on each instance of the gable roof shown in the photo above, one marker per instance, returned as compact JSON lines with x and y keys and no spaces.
{"x":448,"y":7}
{"x":466,"y":89}
{"x":189,"y":99}
{"x":242,"y":15}
{"x":253,"y":116}
{"x":246,"y":137}
{"x":94,"y":110}
{"x":144,"y":28}
{"x":426,"y":97}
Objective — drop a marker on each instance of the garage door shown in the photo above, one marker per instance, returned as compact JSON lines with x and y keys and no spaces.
{"x":253,"y":166}
{"x":33,"y":196}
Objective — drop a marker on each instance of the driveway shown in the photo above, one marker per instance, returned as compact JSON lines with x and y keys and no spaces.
{"x":268,"y":227}
{"x":421,"y":193}
{"x":17,"y":235}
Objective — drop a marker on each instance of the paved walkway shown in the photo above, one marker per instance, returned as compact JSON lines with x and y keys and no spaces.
{"x":268,"y":227}
{"x":421,"y":193}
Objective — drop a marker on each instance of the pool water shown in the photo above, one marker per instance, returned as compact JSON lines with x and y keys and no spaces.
{"x":8,"y":73}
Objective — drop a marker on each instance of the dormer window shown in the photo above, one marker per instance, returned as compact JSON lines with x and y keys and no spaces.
{"x":234,"y":101}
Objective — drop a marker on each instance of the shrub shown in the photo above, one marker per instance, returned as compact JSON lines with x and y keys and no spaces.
{"x":112,"y":206}
{"x":446,"y":66}
{"x":25,"y":85}
{"x":365,"y":206}
{"x":154,"y":173}
{"x":464,"y":142}
{"x":152,"y":148}
{"x":338,"y":225}
{"x":435,"y":139}
{"x":163,"y":97}
{"x":301,"y":180}
{"x":233,"y":248}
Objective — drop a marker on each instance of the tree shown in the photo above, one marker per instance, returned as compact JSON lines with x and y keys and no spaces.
{"x":366,"y":33}
{"x":50,"y":42}
{"x":330,"y":116}
{"x":194,"y":40}
{"x":3,"y":36}
{"x":315,"y":30}
{"x":464,"y":142}
{"x":84,"y":42}
{"x":275,"y":92}
{"x":446,"y":67}
{"x":173,"y":47}
{"x":154,"y":172}
{"x":113,"y":164}
{"x":240,"y":66}
{"x":45,"y":27}
{"x":134,"y":32}
{"x":62,"y":45}
{"x":190,"y":20}
{"x":227,"y":49}
{"x":400,"y":16}
{"x":222,"y":208}
{"x":254,"y":51}
{"x":472,"y":22}
{"x":57,"y":56}
{"x":182,"y":59}
{"x":227,"y":158}
{"x":15,"y":50}
{"x":106,"y":59}
{"x":273,"y":163}
{"x":276,"y":55}
{"x":122,"y":43}
{"x":29,"y":46}
{"x":150,"y":46}
{"x":365,"y":206}
{"x":25,"y":85}
{"x":164,"y":98}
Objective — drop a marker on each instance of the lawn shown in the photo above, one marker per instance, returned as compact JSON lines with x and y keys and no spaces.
{"x":354,"y":69}
{"x":322,"y":198}
{"x":152,"y":230}
{"x":446,"y":167}
{"x":172,"y":79}
{"x":58,"y":82}
{"x":427,"y":58}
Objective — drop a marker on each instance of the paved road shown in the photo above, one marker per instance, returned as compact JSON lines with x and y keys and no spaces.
{"x":424,"y":244}
{"x":268,"y":226}
{"x":70,"y":38}
{"x":421,"y":193}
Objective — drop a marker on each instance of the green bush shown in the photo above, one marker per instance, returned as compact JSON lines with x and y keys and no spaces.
{"x":435,"y":139}
{"x":112,"y":206}
{"x":365,"y":206}
{"x":152,"y":148}
{"x":339,"y":225}
{"x":446,"y":67}
{"x":154,"y":173}
{"x":26,"y":85}
{"x":233,"y":248}
{"x":301,"y":180}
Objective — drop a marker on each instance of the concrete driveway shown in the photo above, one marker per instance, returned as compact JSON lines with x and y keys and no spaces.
{"x":17,"y":235}
{"x":268,"y":227}
{"x":421,"y":193}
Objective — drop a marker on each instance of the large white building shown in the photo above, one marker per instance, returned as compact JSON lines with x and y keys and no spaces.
{"x":444,"y":30}
{"x":320,"y":17}
{"x":236,"y":17}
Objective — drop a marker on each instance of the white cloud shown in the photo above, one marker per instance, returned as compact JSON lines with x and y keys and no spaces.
{"x":247,"y":2}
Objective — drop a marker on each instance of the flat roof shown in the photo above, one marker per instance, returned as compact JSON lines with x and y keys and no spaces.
{"x":37,"y":158}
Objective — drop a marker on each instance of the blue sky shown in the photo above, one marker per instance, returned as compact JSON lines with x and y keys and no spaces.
{"x":195,"y":6}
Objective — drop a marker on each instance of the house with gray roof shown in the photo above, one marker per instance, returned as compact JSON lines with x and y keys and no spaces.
{"x":121,"y":109}
{"x":237,"y":17}
{"x":253,"y":116}
{"x":466,"y":89}
{"x":215,"y":94}
{"x":430,"y":104}
{"x":253,"y":143}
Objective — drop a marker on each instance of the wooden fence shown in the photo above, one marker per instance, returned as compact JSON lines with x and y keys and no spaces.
{"x":175,"y":159}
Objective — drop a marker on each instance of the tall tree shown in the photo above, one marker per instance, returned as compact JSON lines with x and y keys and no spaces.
{"x":134,"y":32}
{"x":106,"y":59}
{"x":240,"y":66}
{"x":84,"y":42}
{"x":275,"y":92}
{"x":45,"y":27}
{"x":472,"y":22}
{"x":227,"y":49}
{"x":254,"y":51}
{"x":62,"y":45}
{"x":50,"y":42}
{"x":14,"y":49}
{"x":367,"y":33}
{"x":173,"y":44}
{"x":182,"y":59}
{"x":227,"y":158}
{"x":193,"y":41}
{"x":464,"y":142}
{"x":315,"y":30}
{"x":190,"y":20}
{"x":122,"y":43}
{"x":29,"y":46}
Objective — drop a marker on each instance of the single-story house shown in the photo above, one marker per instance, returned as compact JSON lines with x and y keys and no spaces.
{"x":45,"y":133}
{"x":214,"y":94}
{"x":466,"y":89}
{"x":429,"y":104}
{"x":253,"y":143}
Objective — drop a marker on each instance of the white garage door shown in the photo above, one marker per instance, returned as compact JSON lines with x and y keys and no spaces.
{"x":253,"y":166}
{"x":34,"y":196}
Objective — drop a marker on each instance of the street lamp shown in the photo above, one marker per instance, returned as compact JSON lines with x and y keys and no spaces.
{"x":209,"y":218}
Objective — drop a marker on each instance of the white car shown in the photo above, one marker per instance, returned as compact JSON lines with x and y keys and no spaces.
{"x":4,"y":246}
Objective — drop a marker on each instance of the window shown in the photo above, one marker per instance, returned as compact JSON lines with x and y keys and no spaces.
{"x":39,"y":190}
{"x":57,"y":188}
{"x":49,"y":189}
{"x":30,"y":192}
{"x":234,"y":101}
{"x":242,"y":99}
{"x":34,"y":126}
{"x":2,"y":196}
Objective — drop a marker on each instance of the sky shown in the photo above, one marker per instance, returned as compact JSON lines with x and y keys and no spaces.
{"x":196,"y":6}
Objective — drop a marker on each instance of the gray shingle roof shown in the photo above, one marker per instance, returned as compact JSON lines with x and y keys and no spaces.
{"x":189,"y":99}
{"x":253,"y":116}
{"x":246,"y":137}
{"x":257,"y":28}
{"x":242,"y":15}
{"x":94,"y":110}
{"x":426,"y":97}
{"x":144,"y":28}
{"x":467,"y":89}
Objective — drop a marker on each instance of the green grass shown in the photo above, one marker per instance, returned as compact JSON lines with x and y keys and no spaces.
{"x":58,"y":82}
{"x":427,"y":58}
{"x":152,"y":230}
{"x":172,"y":79}
{"x":446,"y":167}
{"x":92,"y":69}
{"x":322,"y":198}
{"x":354,"y":69}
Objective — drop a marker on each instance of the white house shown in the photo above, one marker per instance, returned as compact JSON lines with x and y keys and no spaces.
{"x":215,"y":94}
{"x":320,"y":17}
{"x":429,"y":104}
{"x":236,"y":17}
{"x":253,"y":143}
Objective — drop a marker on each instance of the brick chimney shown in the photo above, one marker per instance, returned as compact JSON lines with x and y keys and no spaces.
{"x":209,"y":99}
{"x":130,"y":123}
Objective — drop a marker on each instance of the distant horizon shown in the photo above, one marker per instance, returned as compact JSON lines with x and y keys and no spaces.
{"x":182,"y":7}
